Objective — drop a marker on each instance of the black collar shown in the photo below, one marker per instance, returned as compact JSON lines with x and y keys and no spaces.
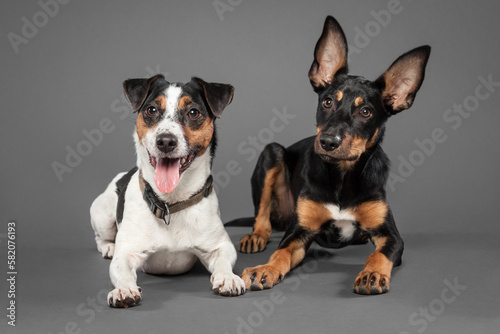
{"x":160,"y":208}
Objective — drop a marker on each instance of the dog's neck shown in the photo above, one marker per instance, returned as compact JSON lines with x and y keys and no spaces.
{"x":190,"y":182}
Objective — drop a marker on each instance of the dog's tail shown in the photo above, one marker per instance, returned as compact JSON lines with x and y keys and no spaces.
{"x":247,"y":221}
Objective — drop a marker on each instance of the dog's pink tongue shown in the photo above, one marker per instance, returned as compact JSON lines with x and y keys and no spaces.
{"x":167,"y":174}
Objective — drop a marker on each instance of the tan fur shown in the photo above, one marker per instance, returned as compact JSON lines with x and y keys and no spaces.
{"x":346,"y":165}
{"x":262,"y":223}
{"x":358,"y":146}
{"x":257,"y":240}
{"x":358,"y":101}
{"x":371,"y":142}
{"x":161,"y":102}
{"x":312,"y":214}
{"x":287,"y":258}
{"x":377,"y":261}
{"x":339,"y":95}
{"x":202,"y":136}
{"x":283,"y":195}
{"x":280,"y":263}
{"x":184,"y":102}
{"x":141,"y":127}
{"x":371,"y":214}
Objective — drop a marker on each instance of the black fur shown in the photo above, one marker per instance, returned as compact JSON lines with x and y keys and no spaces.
{"x":344,"y":164}
{"x":121,"y":189}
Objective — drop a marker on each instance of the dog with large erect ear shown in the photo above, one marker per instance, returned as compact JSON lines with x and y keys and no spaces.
{"x":330,"y":188}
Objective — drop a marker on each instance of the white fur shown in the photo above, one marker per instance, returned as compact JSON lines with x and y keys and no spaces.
{"x":344,"y":220}
{"x":172,"y":94}
{"x":190,"y":181}
{"x":347,"y":229}
{"x":145,"y":242}
{"x":168,"y":125}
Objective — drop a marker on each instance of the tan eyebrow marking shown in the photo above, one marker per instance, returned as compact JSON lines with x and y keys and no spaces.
{"x":184,"y":102}
{"x":339,"y":95}
{"x":358,"y":101}
{"x":161,"y":102}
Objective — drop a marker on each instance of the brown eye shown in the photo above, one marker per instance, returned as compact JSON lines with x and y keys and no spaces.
{"x":365,"y":112}
{"x":151,"y":111}
{"x":194,"y":114}
{"x":327,"y":103}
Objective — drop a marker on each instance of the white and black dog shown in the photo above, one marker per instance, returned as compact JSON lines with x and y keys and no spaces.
{"x":163,"y":215}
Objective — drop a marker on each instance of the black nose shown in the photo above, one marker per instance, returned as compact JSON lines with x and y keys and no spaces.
{"x":166,"y":143}
{"x":329,"y":142}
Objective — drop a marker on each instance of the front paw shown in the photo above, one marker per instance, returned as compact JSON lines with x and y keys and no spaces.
{"x":227,"y":284}
{"x":261,"y":277}
{"x":371,"y":283}
{"x":252,"y":243}
{"x":124,"y":297}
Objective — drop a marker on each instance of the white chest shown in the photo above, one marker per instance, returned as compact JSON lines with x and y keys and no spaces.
{"x":344,"y":221}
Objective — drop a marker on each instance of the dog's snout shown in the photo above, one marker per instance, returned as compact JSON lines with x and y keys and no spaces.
{"x":329,"y":142}
{"x":166,"y":142}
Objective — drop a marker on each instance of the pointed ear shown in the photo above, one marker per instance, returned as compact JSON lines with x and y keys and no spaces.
{"x":330,"y":55}
{"x":403,"y":79}
{"x":136,"y":90}
{"x":217,"y":95}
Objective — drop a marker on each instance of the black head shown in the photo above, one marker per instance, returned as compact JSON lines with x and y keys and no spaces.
{"x":352,"y":111}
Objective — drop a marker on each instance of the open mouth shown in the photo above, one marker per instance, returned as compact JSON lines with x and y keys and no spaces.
{"x":169,"y":170}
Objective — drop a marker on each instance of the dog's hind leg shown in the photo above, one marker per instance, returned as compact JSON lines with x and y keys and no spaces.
{"x":271,"y":196}
{"x":103,"y":219}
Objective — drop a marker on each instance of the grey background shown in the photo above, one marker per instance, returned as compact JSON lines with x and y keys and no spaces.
{"x":67,"y":79}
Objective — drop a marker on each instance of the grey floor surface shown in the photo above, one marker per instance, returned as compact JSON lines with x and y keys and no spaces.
{"x":447,"y":284}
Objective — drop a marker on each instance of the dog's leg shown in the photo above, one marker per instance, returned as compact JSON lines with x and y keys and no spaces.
{"x":103,"y":219}
{"x":123,"y":274}
{"x":376,"y":218}
{"x":220,"y":262}
{"x":268,"y":181}
{"x":290,"y":253}
{"x":310,"y":216}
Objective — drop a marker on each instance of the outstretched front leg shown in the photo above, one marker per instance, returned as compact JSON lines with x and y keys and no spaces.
{"x":290,"y":253}
{"x":123,"y":274}
{"x":219,"y":258}
{"x":309,"y":218}
{"x":376,"y":218}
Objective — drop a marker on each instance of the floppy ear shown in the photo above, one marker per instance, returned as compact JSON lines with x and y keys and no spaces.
{"x":217,"y":95}
{"x":403,"y":79}
{"x":136,"y":90}
{"x":330,"y":55}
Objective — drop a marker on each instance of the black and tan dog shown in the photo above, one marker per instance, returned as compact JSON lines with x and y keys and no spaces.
{"x":330,"y":188}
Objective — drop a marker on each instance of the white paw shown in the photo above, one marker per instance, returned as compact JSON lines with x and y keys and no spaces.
{"x":107,"y":250}
{"x":124,"y":297}
{"x":227,"y":284}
